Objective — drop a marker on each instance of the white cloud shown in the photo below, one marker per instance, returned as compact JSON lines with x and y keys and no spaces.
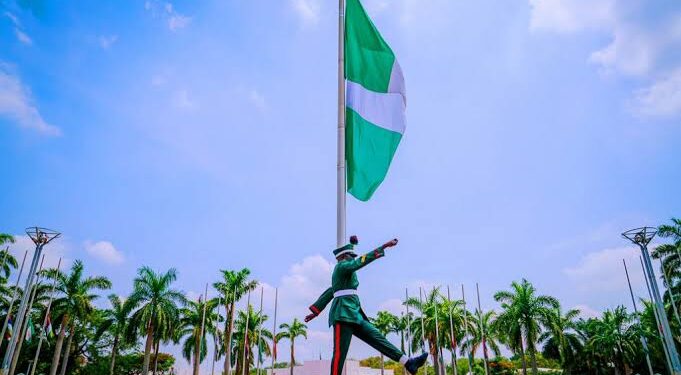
{"x":662,"y":98}
{"x":16,"y":103}
{"x":602,"y":271}
{"x":567,"y":16}
{"x":178,"y":21}
{"x":182,"y":100}
{"x":587,"y":311}
{"x":257,"y":99}
{"x":18,"y":30}
{"x":23,"y":37}
{"x":107,"y":41}
{"x":307,"y":10}
{"x":632,"y":52}
{"x":166,"y":10}
{"x":105,"y":251}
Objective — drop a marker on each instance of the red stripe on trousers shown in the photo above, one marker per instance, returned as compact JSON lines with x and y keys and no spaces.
{"x":336,"y":354}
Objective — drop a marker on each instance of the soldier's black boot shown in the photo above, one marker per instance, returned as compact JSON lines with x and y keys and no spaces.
{"x":414,"y":364}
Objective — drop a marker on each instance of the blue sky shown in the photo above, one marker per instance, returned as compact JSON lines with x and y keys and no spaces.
{"x":201,"y":136}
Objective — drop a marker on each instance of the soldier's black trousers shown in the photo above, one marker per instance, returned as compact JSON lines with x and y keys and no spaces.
{"x":365,"y":331}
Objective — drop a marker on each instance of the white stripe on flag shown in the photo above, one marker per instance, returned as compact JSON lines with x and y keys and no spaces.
{"x":384,"y":110}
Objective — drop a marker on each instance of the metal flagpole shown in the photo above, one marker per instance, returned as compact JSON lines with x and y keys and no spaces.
{"x":657,"y":318}
{"x":423,"y":331}
{"x":262,"y":291}
{"x":437,"y":342}
{"x":215,"y":340}
{"x":24,"y":327}
{"x":406,"y":293}
{"x":203,"y":318}
{"x":671,"y":293}
{"x":341,"y":183}
{"x":482,"y":330}
{"x":248,"y":315}
{"x":14,"y":296}
{"x":465,"y":323}
{"x":274,"y":330}
{"x":452,"y":334}
{"x":229,"y":339}
{"x":638,"y":318}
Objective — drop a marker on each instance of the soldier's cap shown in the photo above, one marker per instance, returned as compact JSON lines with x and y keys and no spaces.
{"x":347,"y":249}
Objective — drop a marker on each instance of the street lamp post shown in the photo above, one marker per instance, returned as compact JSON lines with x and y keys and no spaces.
{"x":40,"y":237}
{"x":642,"y":237}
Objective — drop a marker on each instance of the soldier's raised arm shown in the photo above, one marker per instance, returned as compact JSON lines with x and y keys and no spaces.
{"x":360,"y":262}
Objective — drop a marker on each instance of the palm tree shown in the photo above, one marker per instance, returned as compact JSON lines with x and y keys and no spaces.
{"x":198,"y":320}
{"x":614,"y":339}
{"x":7,"y":263}
{"x":115,"y":322}
{"x":74,"y":304}
{"x":291,"y":331}
{"x":481,"y":324}
{"x":430,"y":307}
{"x":6,"y":238}
{"x":157,"y":304}
{"x":233,"y":287}
{"x":454,"y":332}
{"x":385,"y":323}
{"x":529,"y":310}
{"x":561,"y":336}
{"x":248,"y":334}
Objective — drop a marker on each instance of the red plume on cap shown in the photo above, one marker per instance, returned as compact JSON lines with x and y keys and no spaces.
{"x":354,"y":240}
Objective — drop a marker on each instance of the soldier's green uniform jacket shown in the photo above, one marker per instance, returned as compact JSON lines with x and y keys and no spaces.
{"x":346,"y":308}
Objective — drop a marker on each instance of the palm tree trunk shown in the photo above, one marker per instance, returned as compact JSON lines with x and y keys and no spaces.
{"x":67,"y":350}
{"x":158,"y":344}
{"x":293,"y":356}
{"x":533,"y":358}
{"x":522,"y":355}
{"x":228,"y":338}
{"x":402,"y":341}
{"x":382,"y":365}
{"x":197,"y":353}
{"x":58,"y":345}
{"x":114,"y":349}
{"x":455,"y":370}
{"x":147,"y":348}
{"x":436,"y":357}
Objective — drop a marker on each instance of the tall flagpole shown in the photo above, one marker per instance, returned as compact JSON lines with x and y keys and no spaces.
{"x":437,"y":344}
{"x":424,"y":345}
{"x":465,"y":324}
{"x":203,"y":319}
{"x":215,"y":340}
{"x":262,"y":292}
{"x":341,"y":183}
{"x":14,"y":297}
{"x":482,"y":330}
{"x":406,"y":293}
{"x":274,"y":330}
{"x":248,"y":315}
{"x":452,"y":335}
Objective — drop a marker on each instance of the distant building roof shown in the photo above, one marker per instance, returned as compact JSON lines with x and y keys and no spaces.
{"x":323,"y":367}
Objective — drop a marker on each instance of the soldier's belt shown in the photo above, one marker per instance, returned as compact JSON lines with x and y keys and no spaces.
{"x":345,"y":292}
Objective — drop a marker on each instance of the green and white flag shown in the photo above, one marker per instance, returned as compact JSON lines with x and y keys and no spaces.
{"x":30,"y":330}
{"x":375,"y":103}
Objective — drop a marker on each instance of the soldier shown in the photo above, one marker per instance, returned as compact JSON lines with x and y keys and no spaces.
{"x":347,"y":317}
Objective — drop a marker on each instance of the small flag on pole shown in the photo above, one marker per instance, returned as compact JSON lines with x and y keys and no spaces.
{"x":10,"y":323}
{"x":48,"y":328}
{"x":30,"y":330}
{"x":375,"y":103}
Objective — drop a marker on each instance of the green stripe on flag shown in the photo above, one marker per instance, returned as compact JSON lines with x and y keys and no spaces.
{"x":368,"y":58}
{"x":369,"y":150}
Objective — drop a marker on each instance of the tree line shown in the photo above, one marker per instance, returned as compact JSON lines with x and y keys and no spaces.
{"x":125,"y":338}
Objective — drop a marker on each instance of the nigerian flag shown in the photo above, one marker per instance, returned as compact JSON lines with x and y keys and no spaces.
{"x":375,"y":103}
